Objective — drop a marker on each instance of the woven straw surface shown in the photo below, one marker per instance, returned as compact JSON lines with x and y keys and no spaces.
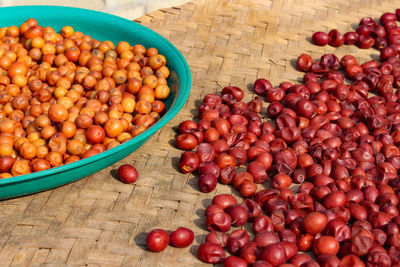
{"x":99,"y":221}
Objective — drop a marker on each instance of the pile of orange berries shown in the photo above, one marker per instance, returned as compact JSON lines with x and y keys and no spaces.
{"x":66,"y":96}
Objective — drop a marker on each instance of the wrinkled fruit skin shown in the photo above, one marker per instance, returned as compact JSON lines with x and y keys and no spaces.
{"x":211,"y":253}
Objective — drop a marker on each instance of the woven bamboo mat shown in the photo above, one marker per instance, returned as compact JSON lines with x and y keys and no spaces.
{"x":98,"y":221}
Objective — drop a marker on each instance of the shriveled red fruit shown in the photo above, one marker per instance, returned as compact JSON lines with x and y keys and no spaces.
{"x":233,"y":261}
{"x":207,"y":182}
{"x":188,"y":162}
{"x":219,"y":222}
{"x":261,"y":263}
{"x":336,"y":38}
{"x":250,"y":252}
{"x":213,"y":209}
{"x":304,"y":62}
{"x":211,"y":253}
{"x":236,"y":240}
{"x":224,"y":200}
{"x":261,"y":86}
{"x":219,"y":238}
{"x":233,"y":90}
{"x":238,"y":214}
{"x":187,"y":125}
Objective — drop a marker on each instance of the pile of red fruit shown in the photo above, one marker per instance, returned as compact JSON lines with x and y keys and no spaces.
{"x":333,"y":139}
{"x":368,"y":34}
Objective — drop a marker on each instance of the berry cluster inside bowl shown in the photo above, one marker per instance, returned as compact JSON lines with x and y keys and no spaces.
{"x":65,"y":96}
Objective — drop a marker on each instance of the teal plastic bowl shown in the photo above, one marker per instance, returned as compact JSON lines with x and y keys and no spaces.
{"x":100,"y":26}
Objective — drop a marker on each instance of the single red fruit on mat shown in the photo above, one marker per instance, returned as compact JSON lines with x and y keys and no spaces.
{"x":127,"y":173}
{"x":157,"y":240}
{"x":320,"y":38}
{"x":218,"y":238}
{"x":182,"y":237}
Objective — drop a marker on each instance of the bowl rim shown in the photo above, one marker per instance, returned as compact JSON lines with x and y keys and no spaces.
{"x":176,"y":105}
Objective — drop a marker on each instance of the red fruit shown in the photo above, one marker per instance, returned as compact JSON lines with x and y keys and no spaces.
{"x":182,"y":237}
{"x":188,"y":162}
{"x":157,"y":240}
{"x":95,"y":134}
{"x":127,"y":173}
{"x":211,"y":253}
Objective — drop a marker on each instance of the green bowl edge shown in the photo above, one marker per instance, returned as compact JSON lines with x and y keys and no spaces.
{"x":179,"y":101}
